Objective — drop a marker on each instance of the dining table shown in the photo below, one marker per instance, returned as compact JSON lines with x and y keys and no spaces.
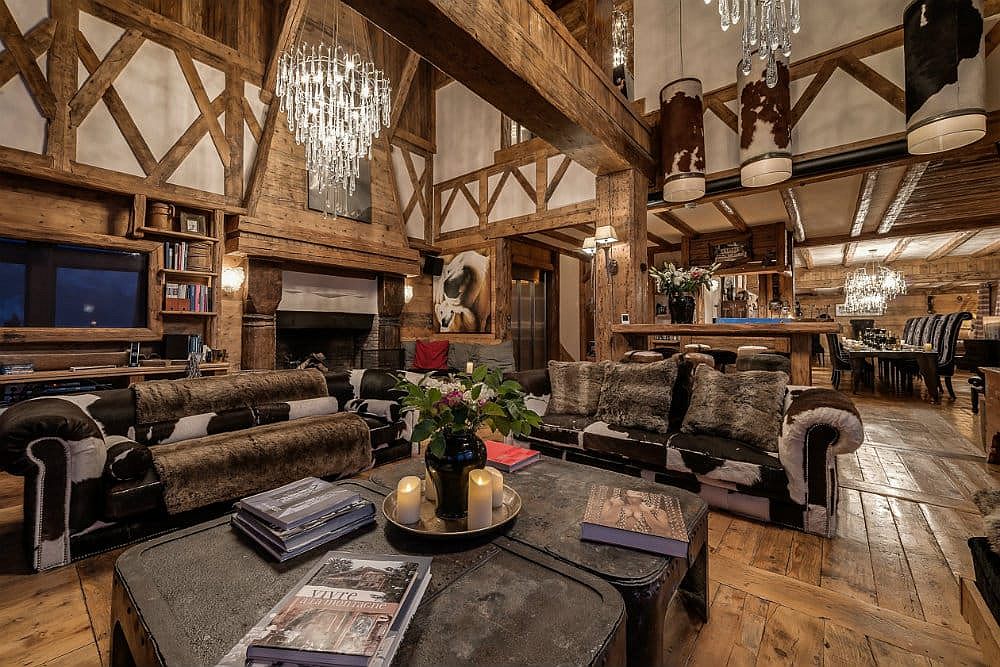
{"x":926,"y":361}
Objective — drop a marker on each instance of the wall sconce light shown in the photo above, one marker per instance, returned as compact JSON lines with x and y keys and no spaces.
{"x":407,"y":293}
{"x":604,"y":238}
{"x":232,"y":279}
{"x":590,"y":246}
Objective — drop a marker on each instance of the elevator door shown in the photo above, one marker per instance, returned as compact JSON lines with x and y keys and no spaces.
{"x":529,"y":327}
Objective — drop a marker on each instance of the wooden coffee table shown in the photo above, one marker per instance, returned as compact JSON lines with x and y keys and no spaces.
{"x":554,"y":495}
{"x":186,"y":598}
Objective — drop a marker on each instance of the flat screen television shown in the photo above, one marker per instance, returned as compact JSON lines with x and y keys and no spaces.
{"x":56,"y":285}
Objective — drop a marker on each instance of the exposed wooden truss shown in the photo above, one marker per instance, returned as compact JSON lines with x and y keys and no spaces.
{"x":732,"y":215}
{"x":908,"y":231}
{"x":566,"y":216}
{"x":849,"y":250}
{"x":540,"y":76}
{"x":898,"y":249}
{"x":806,"y":256}
{"x":678,"y":224}
{"x":291,"y":24}
{"x":790,"y":199}
{"x":906,"y":187}
{"x":952,"y":244}
{"x":864,"y":203}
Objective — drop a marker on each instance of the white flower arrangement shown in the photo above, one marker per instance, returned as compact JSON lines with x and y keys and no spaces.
{"x":674,"y":280}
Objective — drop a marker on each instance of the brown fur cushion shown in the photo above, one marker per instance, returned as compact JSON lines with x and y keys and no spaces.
{"x":227,"y":466}
{"x":165,"y":400}
{"x":576,"y":387}
{"x":638,"y":395}
{"x":743,"y":406}
{"x":987,"y":500}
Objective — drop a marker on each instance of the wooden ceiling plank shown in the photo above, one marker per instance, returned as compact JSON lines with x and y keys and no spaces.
{"x":864,"y":202}
{"x":849,"y":250}
{"x":105,"y":74}
{"x":677,"y":223}
{"x":988,"y":250}
{"x":732,"y":215}
{"x":915,"y":230}
{"x":290,"y":26}
{"x":806,"y":255}
{"x":539,"y":75}
{"x":791,"y":203}
{"x":32,"y":75}
{"x":952,"y":244}
{"x":37,"y":40}
{"x":907,"y":185}
{"x":898,"y":249}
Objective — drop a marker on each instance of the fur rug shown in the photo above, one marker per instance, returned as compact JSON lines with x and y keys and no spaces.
{"x":988,"y":502}
{"x":166,"y":400}
{"x":227,"y":466}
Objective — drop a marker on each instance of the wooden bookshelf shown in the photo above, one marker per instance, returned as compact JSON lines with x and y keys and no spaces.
{"x":135,"y":373}
{"x":172,"y":234}
{"x":186,"y":313}
{"x":188,"y":273}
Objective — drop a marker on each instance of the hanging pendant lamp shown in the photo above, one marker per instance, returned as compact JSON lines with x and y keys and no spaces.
{"x":682,"y":133}
{"x":944,"y":47}
{"x":765,"y":132}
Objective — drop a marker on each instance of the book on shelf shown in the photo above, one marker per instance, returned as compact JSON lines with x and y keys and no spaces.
{"x":367,"y":599}
{"x":509,"y":458}
{"x":187,"y":297}
{"x":17,"y":369}
{"x":636,"y":519}
{"x":298,"y":502}
{"x":284,"y":545}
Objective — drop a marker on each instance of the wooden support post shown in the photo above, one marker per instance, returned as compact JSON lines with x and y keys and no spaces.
{"x":621,"y":203}
{"x":259,"y":321}
{"x":234,"y":135}
{"x":60,"y":143}
{"x":501,"y":288}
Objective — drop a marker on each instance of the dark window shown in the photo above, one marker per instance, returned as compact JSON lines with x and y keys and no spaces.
{"x":50,"y":285}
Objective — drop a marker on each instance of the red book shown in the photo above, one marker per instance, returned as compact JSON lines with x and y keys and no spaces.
{"x":509,"y":458}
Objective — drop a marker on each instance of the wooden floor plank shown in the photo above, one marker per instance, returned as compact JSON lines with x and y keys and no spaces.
{"x":929,"y":476}
{"x":895,"y":471}
{"x":740,"y":541}
{"x":791,"y":638}
{"x":716,"y":640}
{"x":806,"y":560}
{"x":893,"y":582}
{"x":845,"y":647}
{"x":887,"y":655}
{"x":85,"y":656}
{"x":952,"y":536}
{"x":718,"y":524}
{"x":871,"y":466}
{"x":847,"y":566}
{"x":773,"y":549}
{"x":960,"y":504}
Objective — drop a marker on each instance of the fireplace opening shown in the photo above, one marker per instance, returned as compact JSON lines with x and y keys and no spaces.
{"x":339,"y":337}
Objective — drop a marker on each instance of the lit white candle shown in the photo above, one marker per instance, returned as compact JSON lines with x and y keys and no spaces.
{"x":928,"y":347}
{"x":497,"y":486}
{"x":430,"y":491}
{"x":470,"y":367}
{"x":408,"y":500}
{"x":480,"y":499}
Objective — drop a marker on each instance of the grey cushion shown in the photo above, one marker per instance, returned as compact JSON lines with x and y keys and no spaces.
{"x":743,"y":406}
{"x":576,"y":387}
{"x":460,"y":354}
{"x":638,"y":395}
{"x":499,"y":357}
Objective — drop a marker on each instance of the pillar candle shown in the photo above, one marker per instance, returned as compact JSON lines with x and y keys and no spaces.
{"x":497,"y":486}
{"x":470,"y":367}
{"x":430,"y":491}
{"x":480,"y":499}
{"x":408,"y":500}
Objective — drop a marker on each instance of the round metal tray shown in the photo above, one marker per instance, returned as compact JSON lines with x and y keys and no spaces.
{"x":430,"y":525}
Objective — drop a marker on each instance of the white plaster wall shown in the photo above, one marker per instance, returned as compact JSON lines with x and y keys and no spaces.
{"x":22,"y":126}
{"x":513,"y":200}
{"x":468,"y":132}
{"x":577,"y":184}
{"x":569,"y":305}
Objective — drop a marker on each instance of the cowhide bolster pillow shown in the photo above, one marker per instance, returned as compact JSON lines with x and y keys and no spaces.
{"x":576,"y":387}
{"x":743,"y":406}
{"x":127,"y":459}
{"x":638,"y":395}
{"x":391,"y":411}
{"x":291,"y":410}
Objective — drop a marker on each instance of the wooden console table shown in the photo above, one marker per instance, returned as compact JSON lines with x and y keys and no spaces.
{"x":799,"y":335}
{"x":134,"y":374}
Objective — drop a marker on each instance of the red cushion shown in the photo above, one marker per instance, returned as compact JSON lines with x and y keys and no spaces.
{"x":431,"y":355}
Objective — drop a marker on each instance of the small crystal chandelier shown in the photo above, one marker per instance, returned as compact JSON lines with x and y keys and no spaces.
{"x":768,"y":26}
{"x":621,"y":38}
{"x":336,"y":104}
{"x":870,"y":290}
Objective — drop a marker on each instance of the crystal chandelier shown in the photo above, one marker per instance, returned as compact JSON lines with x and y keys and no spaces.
{"x":621,"y":38}
{"x":336,"y":104}
{"x":768,"y":26}
{"x":870,"y":290}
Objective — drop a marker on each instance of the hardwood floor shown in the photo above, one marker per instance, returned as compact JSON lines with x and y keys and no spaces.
{"x":884,"y":592}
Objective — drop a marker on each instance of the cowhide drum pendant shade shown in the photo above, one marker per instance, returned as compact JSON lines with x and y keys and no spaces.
{"x":943,"y":45}
{"x":764,"y":130}
{"x":682,"y":140}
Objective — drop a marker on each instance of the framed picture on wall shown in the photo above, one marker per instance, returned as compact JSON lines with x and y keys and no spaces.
{"x":336,"y":201}
{"x":463,"y":293}
{"x":193,"y":223}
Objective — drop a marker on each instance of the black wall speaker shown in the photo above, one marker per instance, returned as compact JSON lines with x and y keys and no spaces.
{"x":433,"y":266}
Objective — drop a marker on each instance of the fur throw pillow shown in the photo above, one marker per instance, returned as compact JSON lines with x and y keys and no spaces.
{"x":743,"y":406}
{"x":638,"y":395}
{"x":576,"y":387}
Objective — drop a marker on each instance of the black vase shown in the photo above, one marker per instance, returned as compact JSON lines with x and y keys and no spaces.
{"x":463,"y":452}
{"x":681,"y":308}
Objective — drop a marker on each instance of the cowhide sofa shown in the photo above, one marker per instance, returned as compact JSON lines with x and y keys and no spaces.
{"x":110,"y":467}
{"x":796,"y":487}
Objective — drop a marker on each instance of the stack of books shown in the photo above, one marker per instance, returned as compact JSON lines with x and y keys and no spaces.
{"x":17,"y":369}
{"x":191,"y":297}
{"x":300,"y":516}
{"x":349,"y":609}
{"x":509,"y":458}
{"x":636,"y":519}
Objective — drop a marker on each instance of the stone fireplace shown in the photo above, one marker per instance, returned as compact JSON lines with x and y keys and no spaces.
{"x":352,"y":320}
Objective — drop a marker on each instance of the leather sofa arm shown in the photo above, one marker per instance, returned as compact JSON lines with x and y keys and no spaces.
{"x":818,"y":424}
{"x":60,"y":451}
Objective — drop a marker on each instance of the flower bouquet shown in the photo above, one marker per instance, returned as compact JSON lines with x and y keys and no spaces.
{"x":680,"y":285}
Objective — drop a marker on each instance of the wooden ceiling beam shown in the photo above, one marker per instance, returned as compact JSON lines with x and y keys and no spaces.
{"x":919,"y":229}
{"x":528,"y":65}
{"x":907,"y":184}
{"x":849,"y":250}
{"x":732,"y":215}
{"x":864,"y":202}
{"x":806,"y":256}
{"x":659,"y":240}
{"x":794,"y":214}
{"x":952,"y":244}
{"x":290,"y":26}
{"x":988,"y":250}
{"x":567,"y":216}
{"x":677,"y":223}
{"x":898,"y":250}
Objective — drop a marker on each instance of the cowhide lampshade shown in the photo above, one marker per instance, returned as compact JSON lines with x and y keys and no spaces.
{"x":682,"y":140}
{"x":764,"y":129}
{"x":943,"y":45}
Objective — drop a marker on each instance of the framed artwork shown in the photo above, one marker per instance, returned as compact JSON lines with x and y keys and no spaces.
{"x":335,"y":201}
{"x":463,"y":293}
{"x":193,"y":223}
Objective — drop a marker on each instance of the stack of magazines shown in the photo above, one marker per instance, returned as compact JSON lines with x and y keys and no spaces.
{"x":349,"y":609}
{"x":300,"y":516}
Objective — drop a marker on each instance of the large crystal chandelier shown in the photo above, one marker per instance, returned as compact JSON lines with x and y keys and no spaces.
{"x":768,"y":26}
{"x":621,"y":38}
{"x":870,"y":289}
{"x":336,"y":104}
